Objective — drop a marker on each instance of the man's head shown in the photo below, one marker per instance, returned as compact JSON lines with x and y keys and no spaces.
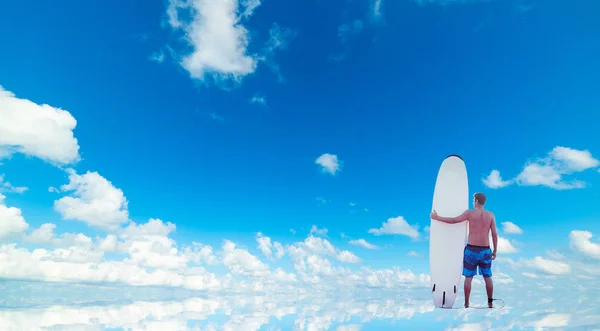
{"x":479,"y":199}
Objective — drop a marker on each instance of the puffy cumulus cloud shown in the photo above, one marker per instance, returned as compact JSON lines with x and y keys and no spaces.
{"x":329,"y":163}
{"x":219,"y":42}
{"x":266,"y":246}
{"x":511,"y":228}
{"x":494,"y":180}
{"x":322,"y":247}
{"x":505,"y":246}
{"x":37,"y":130}
{"x":240,"y":261}
{"x":581,"y":242}
{"x":550,"y":170}
{"x":311,"y":261}
{"x":94,"y":200}
{"x":218,"y":39}
{"x":12,"y":222}
{"x":397,"y":225}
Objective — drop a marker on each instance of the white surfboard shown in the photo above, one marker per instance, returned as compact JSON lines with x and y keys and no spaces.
{"x":447,"y":241}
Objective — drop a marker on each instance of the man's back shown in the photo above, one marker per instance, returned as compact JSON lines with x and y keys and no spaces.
{"x":480,"y":224}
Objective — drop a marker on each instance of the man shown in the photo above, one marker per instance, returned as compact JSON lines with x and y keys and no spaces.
{"x":477,"y":252}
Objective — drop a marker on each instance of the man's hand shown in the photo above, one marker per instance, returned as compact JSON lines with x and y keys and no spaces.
{"x":433,"y":215}
{"x":493,"y":255}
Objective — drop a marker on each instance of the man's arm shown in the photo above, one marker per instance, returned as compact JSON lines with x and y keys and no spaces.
{"x":494,"y":234}
{"x":451,"y":220}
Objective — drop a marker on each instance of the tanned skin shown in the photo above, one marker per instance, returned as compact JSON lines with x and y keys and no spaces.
{"x":480,"y":224}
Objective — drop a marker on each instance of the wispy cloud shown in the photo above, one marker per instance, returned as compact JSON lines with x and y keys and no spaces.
{"x":158,"y":56}
{"x":6,"y":187}
{"x":261,"y":100}
{"x":363,"y":243}
{"x":216,"y":117}
{"x":319,"y":232}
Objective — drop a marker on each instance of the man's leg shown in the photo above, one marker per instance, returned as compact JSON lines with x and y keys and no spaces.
{"x":467,"y":290}
{"x":469,"y":270}
{"x":485,"y":269}
{"x":489,"y":288}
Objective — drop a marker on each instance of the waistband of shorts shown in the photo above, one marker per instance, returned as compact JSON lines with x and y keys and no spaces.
{"x":475,"y":246}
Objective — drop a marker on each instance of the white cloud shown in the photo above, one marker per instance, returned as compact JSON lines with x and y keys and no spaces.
{"x":266,"y":246}
{"x":413,"y":254}
{"x":547,"y":266}
{"x":349,"y":327}
{"x":12,"y":222}
{"x":7,"y":187}
{"x":329,"y":163}
{"x":262,"y":100}
{"x":319,"y":232}
{"x":376,"y":9}
{"x":580,"y":241}
{"x":94,"y":201}
{"x":574,"y":160}
{"x":219,"y":41}
{"x":345,"y":31}
{"x":397,"y":225}
{"x":321,"y":247}
{"x":43,"y":235}
{"x":214,"y":116}
{"x":363,"y":243}
{"x":240,"y":261}
{"x":551,"y":321}
{"x":511,"y":228}
{"x":494,"y":180}
{"x":348,"y":257}
{"x":36,"y":130}
{"x":158,"y":56}
{"x":322,"y":201}
{"x":549,"y":171}
{"x":214,"y":32}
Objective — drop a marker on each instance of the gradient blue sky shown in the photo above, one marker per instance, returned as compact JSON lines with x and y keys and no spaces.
{"x":228,"y":144}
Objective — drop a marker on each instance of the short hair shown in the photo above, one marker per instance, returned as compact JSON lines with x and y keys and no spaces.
{"x":480,"y":197}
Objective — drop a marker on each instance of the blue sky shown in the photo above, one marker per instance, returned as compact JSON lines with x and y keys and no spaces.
{"x":300,"y":135}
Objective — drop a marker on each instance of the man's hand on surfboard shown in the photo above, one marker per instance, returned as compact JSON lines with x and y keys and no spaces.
{"x":434,"y":215}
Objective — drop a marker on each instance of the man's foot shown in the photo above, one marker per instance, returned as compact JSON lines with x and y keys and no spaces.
{"x":490,"y":303}
{"x":466,"y":304}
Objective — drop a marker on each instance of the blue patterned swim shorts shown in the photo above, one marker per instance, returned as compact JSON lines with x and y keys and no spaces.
{"x":477,"y":256}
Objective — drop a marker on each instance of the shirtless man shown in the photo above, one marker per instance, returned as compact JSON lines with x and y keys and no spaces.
{"x":477,"y":252}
